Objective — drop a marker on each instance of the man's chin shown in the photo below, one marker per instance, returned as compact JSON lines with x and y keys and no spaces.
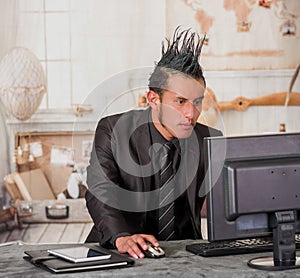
{"x":184,"y":134}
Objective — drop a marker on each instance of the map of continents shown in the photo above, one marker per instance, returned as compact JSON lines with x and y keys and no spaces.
{"x":241,"y":34}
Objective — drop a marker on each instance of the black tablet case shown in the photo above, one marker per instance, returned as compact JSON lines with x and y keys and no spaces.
{"x":43,"y":259}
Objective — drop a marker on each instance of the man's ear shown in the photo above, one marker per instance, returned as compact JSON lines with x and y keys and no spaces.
{"x":153,"y":99}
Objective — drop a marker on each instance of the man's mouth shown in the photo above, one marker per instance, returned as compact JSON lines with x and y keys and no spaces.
{"x":187,"y":126}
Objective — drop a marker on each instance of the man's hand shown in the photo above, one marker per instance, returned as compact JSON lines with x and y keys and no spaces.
{"x":134,"y":244}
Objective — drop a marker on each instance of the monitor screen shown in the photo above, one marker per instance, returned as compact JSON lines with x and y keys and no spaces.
{"x":251,"y":182}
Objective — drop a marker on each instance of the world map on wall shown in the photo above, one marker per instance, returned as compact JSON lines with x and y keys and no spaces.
{"x":244,"y":34}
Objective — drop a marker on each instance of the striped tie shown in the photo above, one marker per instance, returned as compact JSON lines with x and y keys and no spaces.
{"x":166,"y":223}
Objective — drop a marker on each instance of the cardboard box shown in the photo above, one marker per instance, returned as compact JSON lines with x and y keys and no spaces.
{"x":33,"y":185}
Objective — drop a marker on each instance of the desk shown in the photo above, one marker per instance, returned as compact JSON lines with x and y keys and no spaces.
{"x":177,"y":263}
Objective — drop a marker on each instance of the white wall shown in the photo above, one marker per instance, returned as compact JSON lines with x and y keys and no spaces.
{"x":82,"y":43}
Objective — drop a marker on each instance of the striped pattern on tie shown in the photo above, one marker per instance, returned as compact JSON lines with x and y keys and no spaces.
{"x":166,"y":223}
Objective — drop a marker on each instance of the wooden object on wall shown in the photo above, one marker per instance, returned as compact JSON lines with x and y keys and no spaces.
{"x":211,"y":107}
{"x":289,"y":98}
{"x":275,"y":99}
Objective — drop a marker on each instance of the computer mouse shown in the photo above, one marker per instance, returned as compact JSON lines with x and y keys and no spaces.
{"x":153,"y":252}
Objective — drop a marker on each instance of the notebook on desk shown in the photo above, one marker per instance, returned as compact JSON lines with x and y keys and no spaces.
{"x":42,"y":259}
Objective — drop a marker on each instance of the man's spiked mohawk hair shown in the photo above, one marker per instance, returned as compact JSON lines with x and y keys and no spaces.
{"x":179,"y":55}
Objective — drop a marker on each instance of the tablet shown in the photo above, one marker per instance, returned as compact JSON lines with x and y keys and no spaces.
{"x":79,"y":254}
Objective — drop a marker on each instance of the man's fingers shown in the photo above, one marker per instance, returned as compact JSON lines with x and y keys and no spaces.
{"x":134,"y":249}
{"x":133,"y":244}
{"x":128,"y":245}
{"x":142,"y":242}
{"x":131,"y":252}
{"x":151,"y":239}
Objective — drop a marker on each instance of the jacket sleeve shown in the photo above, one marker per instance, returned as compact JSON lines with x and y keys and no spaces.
{"x":104,"y":179}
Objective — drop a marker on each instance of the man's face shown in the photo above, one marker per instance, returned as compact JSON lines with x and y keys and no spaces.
{"x":180,"y":106}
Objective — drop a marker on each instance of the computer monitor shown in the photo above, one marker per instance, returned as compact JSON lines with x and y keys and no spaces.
{"x":253,"y":191}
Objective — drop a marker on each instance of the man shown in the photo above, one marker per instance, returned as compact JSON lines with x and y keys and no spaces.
{"x":146,"y":167}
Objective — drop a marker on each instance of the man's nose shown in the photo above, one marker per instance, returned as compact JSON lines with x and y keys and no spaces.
{"x":189,"y":111}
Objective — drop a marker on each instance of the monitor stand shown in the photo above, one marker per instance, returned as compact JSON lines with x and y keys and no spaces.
{"x":284,"y":246}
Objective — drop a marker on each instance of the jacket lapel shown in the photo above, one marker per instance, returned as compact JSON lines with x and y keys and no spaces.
{"x":142,"y":143}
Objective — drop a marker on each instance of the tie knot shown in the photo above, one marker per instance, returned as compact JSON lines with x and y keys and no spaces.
{"x":172,"y":146}
{"x":171,"y":153}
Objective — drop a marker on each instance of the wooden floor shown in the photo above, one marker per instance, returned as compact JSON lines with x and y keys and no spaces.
{"x":48,"y":233}
{"x":56,"y":233}
{"x":39,"y":229}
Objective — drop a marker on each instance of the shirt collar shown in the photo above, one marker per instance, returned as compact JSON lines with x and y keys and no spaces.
{"x":156,"y":137}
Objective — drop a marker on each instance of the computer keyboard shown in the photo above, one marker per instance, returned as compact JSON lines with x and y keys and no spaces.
{"x":224,"y":248}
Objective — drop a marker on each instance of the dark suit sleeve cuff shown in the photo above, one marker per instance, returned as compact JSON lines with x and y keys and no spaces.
{"x":113,"y":239}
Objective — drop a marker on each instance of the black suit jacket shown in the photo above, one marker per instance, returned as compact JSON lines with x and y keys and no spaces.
{"x":119,"y":193}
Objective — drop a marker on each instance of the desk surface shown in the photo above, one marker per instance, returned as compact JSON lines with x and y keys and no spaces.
{"x":177,"y":263}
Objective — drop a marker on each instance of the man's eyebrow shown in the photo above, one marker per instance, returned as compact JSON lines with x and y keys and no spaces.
{"x":181,"y":97}
{"x":196,"y":99}
{"x":178,"y":96}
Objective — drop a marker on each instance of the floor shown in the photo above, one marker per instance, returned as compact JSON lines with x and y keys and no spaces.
{"x":37,"y":228}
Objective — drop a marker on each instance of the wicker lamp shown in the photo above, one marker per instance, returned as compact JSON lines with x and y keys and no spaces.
{"x":22,"y":83}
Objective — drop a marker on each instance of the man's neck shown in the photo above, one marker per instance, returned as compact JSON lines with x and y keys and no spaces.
{"x":162,"y":129}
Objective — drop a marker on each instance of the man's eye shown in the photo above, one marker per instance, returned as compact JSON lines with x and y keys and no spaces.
{"x":198,"y":102}
{"x":180,"y":101}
